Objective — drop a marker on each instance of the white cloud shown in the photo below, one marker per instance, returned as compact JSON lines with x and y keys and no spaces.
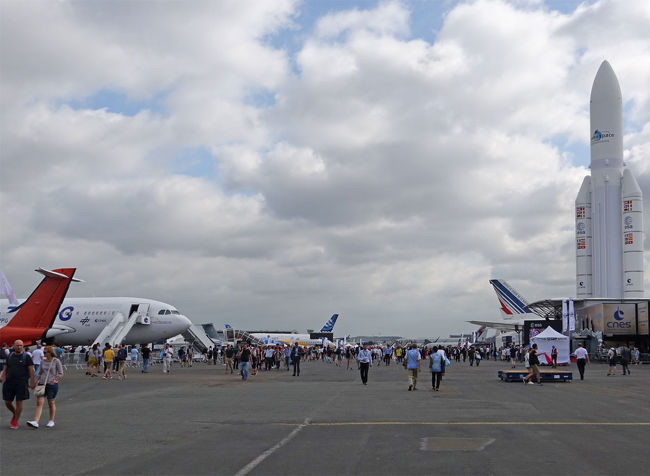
{"x":388,"y":178}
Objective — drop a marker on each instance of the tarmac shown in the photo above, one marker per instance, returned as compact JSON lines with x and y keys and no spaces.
{"x":200,"y":421}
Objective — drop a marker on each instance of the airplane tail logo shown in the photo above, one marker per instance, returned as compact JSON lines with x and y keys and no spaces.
{"x":512,"y":303}
{"x":329,"y":325}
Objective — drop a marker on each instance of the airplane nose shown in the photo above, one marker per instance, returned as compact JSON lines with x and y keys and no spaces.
{"x":183,"y":322}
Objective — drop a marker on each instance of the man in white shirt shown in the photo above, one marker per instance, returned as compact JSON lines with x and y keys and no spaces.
{"x":37,"y":355}
{"x":582,"y":357}
{"x":365,"y":361}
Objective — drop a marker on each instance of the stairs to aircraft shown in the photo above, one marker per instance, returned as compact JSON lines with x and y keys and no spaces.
{"x":116,"y":330}
{"x":198,"y":339}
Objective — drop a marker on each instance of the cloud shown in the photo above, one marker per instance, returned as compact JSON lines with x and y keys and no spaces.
{"x":369,"y":172}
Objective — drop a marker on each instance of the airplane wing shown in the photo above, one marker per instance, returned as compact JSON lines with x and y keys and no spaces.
{"x":502,"y":326}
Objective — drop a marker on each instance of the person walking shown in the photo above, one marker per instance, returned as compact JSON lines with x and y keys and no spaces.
{"x":15,"y":377}
{"x":437,"y":366}
{"x":146,"y":357}
{"x":37,"y":356}
{"x":554,"y":356}
{"x":365,"y":362}
{"x":582,"y":358}
{"x":134,"y":356}
{"x":51,"y":373}
{"x":108,"y":357}
{"x":93,"y":360}
{"x":296,"y":355}
{"x":626,"y":356}
{"x":121,"y":362}
{"x":611,"y":357}
{"x":533,"y":361}
{"x":244,"y":362}
{"x":230,"y":353}
{"x":167,"y":355}
{"x":412,"y":365}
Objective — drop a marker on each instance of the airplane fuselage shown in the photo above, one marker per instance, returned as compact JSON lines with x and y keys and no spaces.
{"x":80,"y":320}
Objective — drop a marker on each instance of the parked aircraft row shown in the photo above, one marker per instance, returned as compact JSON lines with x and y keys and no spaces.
{"x":301,"y":339}
{"x":47,"y":314}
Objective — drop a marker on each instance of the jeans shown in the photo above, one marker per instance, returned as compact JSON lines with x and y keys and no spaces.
{"x":243,"y":370}
{"x":296,"y":366}
{"x":363,"y":367}
{"x":145,"y":365}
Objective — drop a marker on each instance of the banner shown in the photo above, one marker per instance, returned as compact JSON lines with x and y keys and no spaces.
{"x":572,"y":316}
{"x":565,"y":316}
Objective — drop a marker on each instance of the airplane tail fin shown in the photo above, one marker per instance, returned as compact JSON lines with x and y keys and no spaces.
{"x":329,"y":325}
{"x":40,"y":309}
{"x":512,"y":303}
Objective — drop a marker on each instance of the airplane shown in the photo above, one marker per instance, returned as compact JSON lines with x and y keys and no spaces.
{"x":300,"y":339}
{"x":32,"y":319}
{"x":114,"y":320}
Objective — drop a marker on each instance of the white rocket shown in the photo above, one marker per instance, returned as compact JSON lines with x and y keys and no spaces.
{"x":609,"y":205}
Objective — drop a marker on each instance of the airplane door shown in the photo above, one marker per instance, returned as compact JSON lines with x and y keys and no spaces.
{"x":143,"y":314}
{"x":141,"y":309}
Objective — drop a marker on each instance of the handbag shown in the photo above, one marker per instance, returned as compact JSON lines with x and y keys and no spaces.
{"x":39,"y":390}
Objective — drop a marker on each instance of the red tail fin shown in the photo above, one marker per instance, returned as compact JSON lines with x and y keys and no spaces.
{"x":36,"y":315}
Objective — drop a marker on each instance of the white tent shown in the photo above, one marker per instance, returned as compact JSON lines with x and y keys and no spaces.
{"x":545,"y":341}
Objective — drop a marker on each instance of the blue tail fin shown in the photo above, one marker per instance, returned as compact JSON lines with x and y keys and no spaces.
{"x":329,"y":325}
{"x":512,"y":303}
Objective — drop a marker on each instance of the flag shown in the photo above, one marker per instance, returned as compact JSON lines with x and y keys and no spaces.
{"x":5,"y":289}
{"x":565,"y":316}
{"x":572,"y":316}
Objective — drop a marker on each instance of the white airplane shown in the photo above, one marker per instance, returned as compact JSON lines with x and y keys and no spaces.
{"x":118,"y":320}
{"x":300,"y":339}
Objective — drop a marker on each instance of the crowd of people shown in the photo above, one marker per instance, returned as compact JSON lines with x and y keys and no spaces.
{"x":41,"y":368}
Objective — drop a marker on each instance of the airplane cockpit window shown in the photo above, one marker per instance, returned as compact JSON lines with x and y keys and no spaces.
{"x":174,"y":311}
{"x":162,"y":311}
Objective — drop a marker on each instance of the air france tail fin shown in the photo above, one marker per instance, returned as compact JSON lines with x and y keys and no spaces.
{"x":37,"y":313}
{"x":512,"y":303}
{"x":329,"y":325}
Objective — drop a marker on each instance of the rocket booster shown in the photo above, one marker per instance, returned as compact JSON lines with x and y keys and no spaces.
{"x":609,"y":213}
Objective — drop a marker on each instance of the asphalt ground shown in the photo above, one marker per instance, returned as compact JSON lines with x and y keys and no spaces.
{"x":200,"y":421}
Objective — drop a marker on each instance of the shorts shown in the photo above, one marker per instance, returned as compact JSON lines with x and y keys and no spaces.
{"x":108,"y":365}
{"x":92,"y":362}
{"x":535,"y":369}
{"x":51,"y":390}
{"x":15,"y":390}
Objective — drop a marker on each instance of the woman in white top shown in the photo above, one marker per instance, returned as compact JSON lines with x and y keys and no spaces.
{"x":49,"y":375}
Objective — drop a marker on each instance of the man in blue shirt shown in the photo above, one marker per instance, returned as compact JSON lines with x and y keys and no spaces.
{"x":365,"y":361}
{"x":412,"y":364}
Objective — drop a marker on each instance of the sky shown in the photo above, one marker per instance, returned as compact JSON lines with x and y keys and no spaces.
{"x":268,"y":164}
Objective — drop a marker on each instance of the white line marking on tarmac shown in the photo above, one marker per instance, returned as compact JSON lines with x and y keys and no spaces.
{"x":250,"y":466}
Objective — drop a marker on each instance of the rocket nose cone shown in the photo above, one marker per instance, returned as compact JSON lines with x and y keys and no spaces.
{"x":605,"y":84}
